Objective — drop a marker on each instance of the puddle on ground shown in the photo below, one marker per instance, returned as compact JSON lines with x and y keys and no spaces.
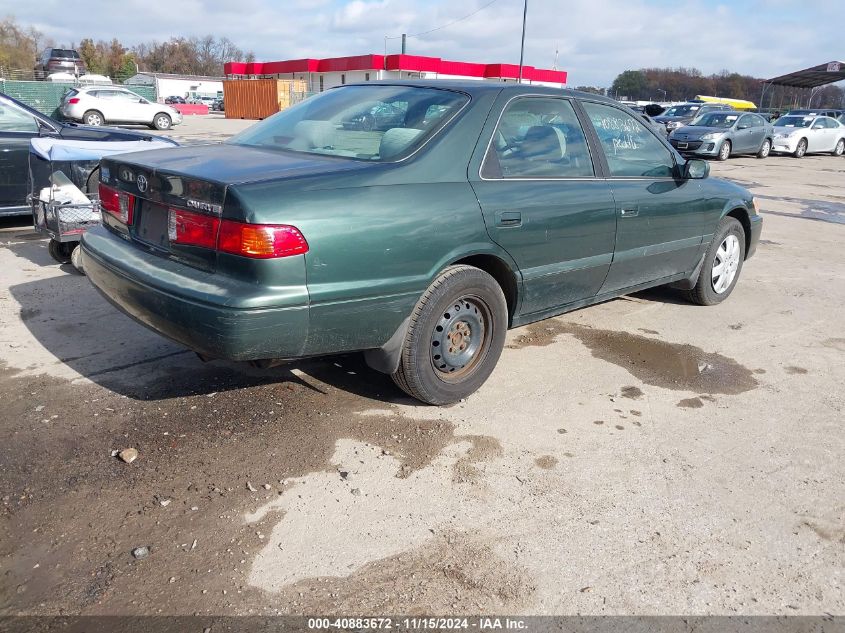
{"x":690,"y":403}
{"x":821,"y":210}
{"x":484,"y":448}
{"x":655,"y":362}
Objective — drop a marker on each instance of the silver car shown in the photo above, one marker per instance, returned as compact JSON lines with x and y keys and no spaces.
{"x":809,"y":134}
{"x":100,"y":105}
{"x":723,"y":134}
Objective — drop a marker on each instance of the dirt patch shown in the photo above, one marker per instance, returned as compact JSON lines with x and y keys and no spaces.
{"x":647,"y":331}
{"x":636,"y":413}
{"x":793,"y":369}
{"x":546,"y":462}
{"x":598,"y":422}
{"x":484,"y":448}
{"x":634,"y":393}
{"x":425,"y":580}
{"x":655,"y":362}
{"x":197,"y":453}
{"x":690,"y":403}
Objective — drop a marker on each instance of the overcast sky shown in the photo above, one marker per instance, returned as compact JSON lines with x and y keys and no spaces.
{"x":595,"y":39}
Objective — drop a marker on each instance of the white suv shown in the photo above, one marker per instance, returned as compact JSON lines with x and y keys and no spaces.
{"x":99,"y":105}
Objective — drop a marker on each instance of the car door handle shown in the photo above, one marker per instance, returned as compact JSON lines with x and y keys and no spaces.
{"x":629,"y":213}
{"x":509,"y":219}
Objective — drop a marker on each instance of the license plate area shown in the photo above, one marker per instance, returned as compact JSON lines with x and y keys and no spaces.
{"x":151,"y":226}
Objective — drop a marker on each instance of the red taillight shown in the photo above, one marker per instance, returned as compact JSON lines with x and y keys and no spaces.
{"x":73,"y":100}
{"x":192,"y":229}
{"x":261,"y":241}
{"x":117,"y":203}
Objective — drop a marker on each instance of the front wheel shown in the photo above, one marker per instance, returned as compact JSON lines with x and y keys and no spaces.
{"x":162,"y":121}
{"x":840,"y":148}
{"x":800,"y":149}
{"x":455,"y":337}
{"x":765,"y":148}
{"x":722,"y":264}
{"x":725,"y":151}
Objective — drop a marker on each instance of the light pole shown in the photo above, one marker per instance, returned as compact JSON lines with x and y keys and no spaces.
{"x":664,"y":93}
{"x":522,"y":46}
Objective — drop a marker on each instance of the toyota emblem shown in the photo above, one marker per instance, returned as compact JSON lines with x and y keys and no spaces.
{"x":142,"y":183}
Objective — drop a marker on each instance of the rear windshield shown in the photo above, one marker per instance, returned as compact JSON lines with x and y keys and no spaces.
{"x":794,"y":121}
{"x":65,"y":52}
{"x":373,"y":123}
{"x":682,"y":110}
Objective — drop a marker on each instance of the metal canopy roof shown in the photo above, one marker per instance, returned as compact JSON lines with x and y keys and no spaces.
{"x":820,"y":75}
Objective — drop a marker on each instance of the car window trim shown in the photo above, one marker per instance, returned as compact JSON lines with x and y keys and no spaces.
{"x":597,"y":167}
{"x":606,"y":167}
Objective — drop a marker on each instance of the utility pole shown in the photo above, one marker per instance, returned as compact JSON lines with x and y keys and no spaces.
{"x":522,"y":46}
{"x":403,"y":43}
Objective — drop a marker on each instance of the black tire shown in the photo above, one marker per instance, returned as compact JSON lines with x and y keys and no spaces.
{"x":704,"y":293}
{"x":800,"y":149}
{"x":61,"y":251}
{"x":724,"y":151}
{"x":765,"y":148}
{"x":92,"y":185}
{"x":839,"y":150}
{"x":93,"y":118}
{"x":162,"y":121}
{"x":463,"y":301}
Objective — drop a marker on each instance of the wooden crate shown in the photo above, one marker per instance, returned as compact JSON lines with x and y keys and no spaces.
{"x":259,"y":98}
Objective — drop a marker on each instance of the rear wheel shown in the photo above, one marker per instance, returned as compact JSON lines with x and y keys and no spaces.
{"x":93,"y":118}
{"x":800,"y":149}
{"x":725,"y":151}
{"x":161,"y":121}
{"x":840,"y":148}
{"x":61,"y":251}
{"x":722,"y":264}
{"x":765,"y":148}
{"x":455,"y":337}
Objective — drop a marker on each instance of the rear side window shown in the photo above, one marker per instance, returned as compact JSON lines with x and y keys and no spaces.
{"x":65,"y":52}
{"x":538,"y":138}
{"x":14,"y":120}
{"x":630,"y":148}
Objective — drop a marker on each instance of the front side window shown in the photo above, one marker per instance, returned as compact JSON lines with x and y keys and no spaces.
{"x":630,"y":148}
{"x":373,"y":123}
{"x":538,"y":138}
{"x":794,"y":121}
{"x":682,"y":110}
{"x":13,"y":120}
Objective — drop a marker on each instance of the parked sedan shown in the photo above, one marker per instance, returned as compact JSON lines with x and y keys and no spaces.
{"x":299,"y":238}
{"x":679,"y":115}
{"x":800,"y":134}
{"x":18,"y":125}
{"x":99,"y":105}
{"x":723,"y":134}
{"x":175,"y":99}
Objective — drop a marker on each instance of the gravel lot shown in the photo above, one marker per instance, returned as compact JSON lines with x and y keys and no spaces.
{"x":641,"y":456}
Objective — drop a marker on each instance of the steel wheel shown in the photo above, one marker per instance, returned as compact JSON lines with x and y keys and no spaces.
{"x":460,"y":339}
{"x":725,"y":264}
{"x":725,"y":151}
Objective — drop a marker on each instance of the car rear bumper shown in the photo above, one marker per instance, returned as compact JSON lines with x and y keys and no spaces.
{"x":194,"y":307}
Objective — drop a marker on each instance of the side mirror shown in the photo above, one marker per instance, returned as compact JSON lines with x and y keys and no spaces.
{"x":696,"y":169}
{"x":742,"y":127}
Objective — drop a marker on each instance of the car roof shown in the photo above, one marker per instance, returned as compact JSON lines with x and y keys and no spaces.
{"x":476,"y":87}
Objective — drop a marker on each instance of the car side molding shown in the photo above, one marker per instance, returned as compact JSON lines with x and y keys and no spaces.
{"x":386,"y":358}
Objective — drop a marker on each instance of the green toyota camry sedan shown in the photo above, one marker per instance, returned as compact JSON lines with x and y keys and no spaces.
{"x":480,"y":206}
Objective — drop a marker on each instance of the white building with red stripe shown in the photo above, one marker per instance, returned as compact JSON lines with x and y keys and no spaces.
{"x":322,"y":74}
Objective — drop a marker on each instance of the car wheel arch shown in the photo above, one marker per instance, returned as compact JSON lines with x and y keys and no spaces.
{"x":741,"y":215}
{"x":499,"y":270}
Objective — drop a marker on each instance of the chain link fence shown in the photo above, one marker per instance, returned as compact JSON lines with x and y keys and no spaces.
{"x":46,"y":96}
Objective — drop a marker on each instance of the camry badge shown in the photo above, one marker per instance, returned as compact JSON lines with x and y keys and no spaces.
{"x":142,"y":183}
{"x":205,"y":206}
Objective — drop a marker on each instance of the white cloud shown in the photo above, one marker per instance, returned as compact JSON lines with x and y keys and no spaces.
{"x":596,"y":39}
